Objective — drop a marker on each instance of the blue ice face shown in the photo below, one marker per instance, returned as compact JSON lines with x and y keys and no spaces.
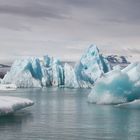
{"x":48,"y":71}
{"x":118,"y":86}
{"x":91,"y":66}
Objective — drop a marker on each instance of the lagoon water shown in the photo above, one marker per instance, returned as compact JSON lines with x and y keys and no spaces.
{"x":64,"y":114}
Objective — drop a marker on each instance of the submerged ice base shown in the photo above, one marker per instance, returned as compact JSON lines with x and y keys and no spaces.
{"x":130,"y":105}
{"x":117,"y":86}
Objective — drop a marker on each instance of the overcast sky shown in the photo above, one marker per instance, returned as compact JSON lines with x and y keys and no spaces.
{"x":65,"y":28}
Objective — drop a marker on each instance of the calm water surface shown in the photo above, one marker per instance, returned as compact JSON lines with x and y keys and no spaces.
{"x":64,"y":114}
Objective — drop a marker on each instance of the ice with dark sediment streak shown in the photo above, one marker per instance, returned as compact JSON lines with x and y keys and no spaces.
{"x":117,"y":86}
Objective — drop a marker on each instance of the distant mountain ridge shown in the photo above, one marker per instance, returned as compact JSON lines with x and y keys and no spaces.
{"x":3,"y":69}
{"x":118,"y":60}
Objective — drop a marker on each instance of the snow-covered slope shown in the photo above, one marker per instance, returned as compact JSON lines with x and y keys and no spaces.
{"x":114,"y":60}
{"x":11,"y":104}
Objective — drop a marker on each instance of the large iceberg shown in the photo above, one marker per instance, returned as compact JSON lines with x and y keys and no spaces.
{"x":117,"y":86}
{"x":11,"y":104}
{"x":91,"y":67}
{"x":35,"y":72}
{"x":47,"y":71}
{"x":24,"y":73}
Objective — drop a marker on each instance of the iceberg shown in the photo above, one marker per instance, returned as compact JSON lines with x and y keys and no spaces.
{"x":52,"y":72}
{"x":57,"y":73}
{"x":11,"y":104}
{"x":91,"y":67}
{"x":117,"y":86}
{"x":34,"y":72}
{"x":48,"y":71}
{"x":70,"y":77}
{"x":24,"y":73}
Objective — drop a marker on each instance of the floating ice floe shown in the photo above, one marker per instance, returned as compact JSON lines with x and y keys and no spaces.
{"x":117,"y":86}
{"x":11,"y":104}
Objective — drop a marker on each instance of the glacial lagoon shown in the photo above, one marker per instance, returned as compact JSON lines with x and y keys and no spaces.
{"x":65,"y":114}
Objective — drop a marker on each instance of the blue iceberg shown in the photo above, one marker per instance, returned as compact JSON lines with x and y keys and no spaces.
{"x":24,"y":73}
{"x":117,"y":86}
{"x":53,"y":72}
{"x":48,"y":71}
{"x":35,"y":72}
{"x":91,"y":67}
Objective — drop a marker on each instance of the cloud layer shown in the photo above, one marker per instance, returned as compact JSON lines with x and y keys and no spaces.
{"x":64,"y":28}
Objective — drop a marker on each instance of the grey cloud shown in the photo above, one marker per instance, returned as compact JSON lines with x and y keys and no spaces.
{"x":134,"y":50}
{"x":106,"y":11}
{"x":33,"y":9}
{"x":106,"y":22}
{"x":116,"y":11}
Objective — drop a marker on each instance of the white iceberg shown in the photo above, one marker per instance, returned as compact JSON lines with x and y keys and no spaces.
{"x":11,"y":104}
{"x":117,"y":86}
